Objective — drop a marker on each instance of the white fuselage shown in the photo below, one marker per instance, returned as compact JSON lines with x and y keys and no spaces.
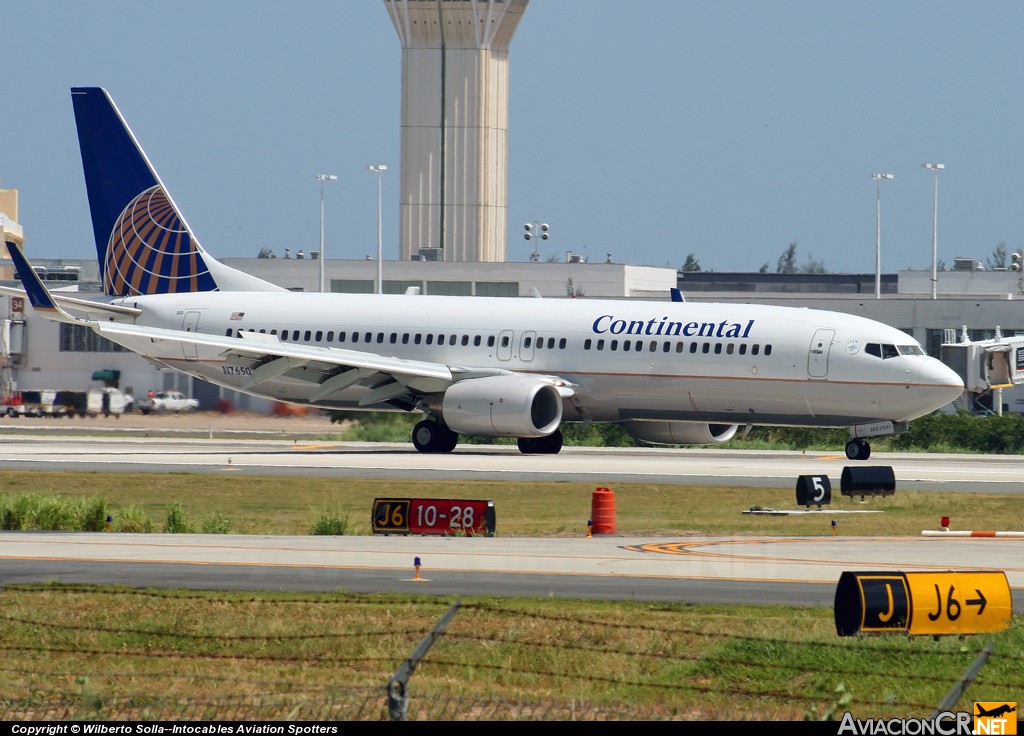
{"x":706,"y":362}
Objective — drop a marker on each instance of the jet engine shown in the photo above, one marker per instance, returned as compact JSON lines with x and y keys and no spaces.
{"x":679,"y":433}
{"x":502,"y":406}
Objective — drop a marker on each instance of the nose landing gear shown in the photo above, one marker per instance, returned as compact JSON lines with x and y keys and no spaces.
{"x":858,"y":449}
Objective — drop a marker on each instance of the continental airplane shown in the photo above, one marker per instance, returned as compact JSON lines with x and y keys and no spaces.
{"x":670,"y":372}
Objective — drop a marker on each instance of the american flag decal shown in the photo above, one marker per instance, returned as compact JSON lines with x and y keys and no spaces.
{"x":237,"y":315}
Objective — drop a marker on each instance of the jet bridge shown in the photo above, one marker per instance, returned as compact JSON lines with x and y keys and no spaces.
{"x":986,"y":367}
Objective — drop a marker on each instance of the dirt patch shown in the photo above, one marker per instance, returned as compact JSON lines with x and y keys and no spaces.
{"x":238,"y":421}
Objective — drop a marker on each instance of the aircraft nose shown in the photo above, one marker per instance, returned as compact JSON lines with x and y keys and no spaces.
{"x":939,"y":383}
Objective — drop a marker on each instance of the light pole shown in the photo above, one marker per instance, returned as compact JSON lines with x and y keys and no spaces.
{"x":322,"y":178}
{"x":536,"y":231}
{"x":935,"y":169}
{"x":379,"y":170}
{"x":878,"y":231}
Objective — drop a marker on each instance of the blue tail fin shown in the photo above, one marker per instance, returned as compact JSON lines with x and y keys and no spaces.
{"x":143,"y":243}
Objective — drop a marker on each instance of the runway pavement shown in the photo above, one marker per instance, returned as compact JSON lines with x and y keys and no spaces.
{"x":796,"y":570}
{"x":137,"y":451}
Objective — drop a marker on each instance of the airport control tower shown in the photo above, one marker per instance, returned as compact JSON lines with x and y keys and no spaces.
{"x":454,"y":172}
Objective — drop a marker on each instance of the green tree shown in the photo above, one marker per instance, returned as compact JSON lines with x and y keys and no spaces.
{"x":997,"y":259}
{"x":813,"y":265}
{"x":691,"y":264}
{"x":787,"y":261}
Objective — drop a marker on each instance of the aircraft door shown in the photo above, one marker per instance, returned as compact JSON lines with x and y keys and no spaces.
{"x":505,"y":345}
{"x":817,"y":357}
{"x":190,"y":324}
{"x":526,"y":345}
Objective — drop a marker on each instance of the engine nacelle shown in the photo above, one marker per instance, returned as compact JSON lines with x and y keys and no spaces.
{"x":680,"y":433}
{"x":502,"y":406}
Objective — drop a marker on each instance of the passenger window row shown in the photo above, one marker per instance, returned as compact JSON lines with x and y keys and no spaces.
{"x":528,"y":341}
{"x":379,"y":338}
{"x":356,"y":337}
{"x":666,"y":346}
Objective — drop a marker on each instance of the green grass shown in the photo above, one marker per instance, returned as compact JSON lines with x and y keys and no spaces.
{"x":182,"y":502}
{"x":111,"y":652}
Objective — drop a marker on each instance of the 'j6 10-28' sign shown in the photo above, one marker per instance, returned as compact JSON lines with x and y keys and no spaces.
{"x":451,"y":516}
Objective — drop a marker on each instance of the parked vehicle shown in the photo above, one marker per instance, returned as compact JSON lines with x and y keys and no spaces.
{"x":12,"y":404}
{"x":167,"y":401}
{"x":52,"y":403}
{"x":33,"y":403}
{"x":105,"y":401}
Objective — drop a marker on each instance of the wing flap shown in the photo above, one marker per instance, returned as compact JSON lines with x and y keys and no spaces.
{"x":390,"y":390}
{"x":339,"y":382}
{"x":272,"y":368}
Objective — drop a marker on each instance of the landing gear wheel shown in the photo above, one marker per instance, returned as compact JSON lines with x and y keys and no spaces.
{"x":423,"y":435}
{"x":858,"y":450}
{"x":431,"y":436}
{"x":548,"y":445}
{"x":447,"y":439}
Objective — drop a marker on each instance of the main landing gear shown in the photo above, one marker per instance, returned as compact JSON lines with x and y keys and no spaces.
{"x":858,"y":449}
{"x":547,"y":445}
{"x":434,"y":436}
{"x":431,"y":436}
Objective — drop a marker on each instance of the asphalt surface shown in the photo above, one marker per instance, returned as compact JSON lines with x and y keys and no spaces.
{"x":788,"y":570}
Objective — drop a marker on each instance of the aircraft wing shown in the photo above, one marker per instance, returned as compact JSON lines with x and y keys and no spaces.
{"x":261,"y":357}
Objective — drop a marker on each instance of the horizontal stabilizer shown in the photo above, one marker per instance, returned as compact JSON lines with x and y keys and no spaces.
{"x":38,"y":296}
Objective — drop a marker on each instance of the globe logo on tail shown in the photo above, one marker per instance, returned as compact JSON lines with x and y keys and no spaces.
{"x":150,"y":251}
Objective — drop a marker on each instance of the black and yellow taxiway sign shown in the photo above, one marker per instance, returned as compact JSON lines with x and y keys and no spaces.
{"x":922,"y":603}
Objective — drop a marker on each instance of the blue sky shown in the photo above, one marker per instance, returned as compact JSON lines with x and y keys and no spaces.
{"x":649,"y":130}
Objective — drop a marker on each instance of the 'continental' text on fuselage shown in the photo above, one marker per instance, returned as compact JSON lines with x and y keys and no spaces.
{"x":654,"y":326}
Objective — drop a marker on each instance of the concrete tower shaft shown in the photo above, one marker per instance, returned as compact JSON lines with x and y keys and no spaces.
{"x":454,"y":169}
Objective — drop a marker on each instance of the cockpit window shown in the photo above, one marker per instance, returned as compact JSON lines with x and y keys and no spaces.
{"x":883,"y":351}
{"x":910,"y":350}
